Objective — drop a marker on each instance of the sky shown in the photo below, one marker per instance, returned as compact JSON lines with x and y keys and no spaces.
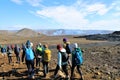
{"x":60,"y":14}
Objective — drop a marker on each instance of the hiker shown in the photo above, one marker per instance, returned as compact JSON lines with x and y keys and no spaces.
{"x":12,"y":46}
{"x":3,"y":50}
{"x":39,"y":53}
{"x":66,"y":45}
{"x":62,"y":61}
{"x":17,"y":53}
{"x":46,"y":59}
{"x":9,"y":54}
{"x":23,"y":48}
{"x":77,"y":60}
{"x":29,"y":58}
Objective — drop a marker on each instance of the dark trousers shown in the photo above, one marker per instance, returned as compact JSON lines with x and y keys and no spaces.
{"x":30,"y":66}
{"x":45,"y":67}
{"x":10,"y":59}
{"x":78,"y":69}
{"x":64,"y":68}
{"x":38,"y":61}
{"x":18,"y":58}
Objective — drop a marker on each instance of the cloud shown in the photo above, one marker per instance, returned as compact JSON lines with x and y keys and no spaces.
{"x":98,"y":8}
{"x":17,"y":1}
{"x":76,"y":16}
{"x":67,"y":16}
{"x":34,"y":2}
{"x":106,"y":24}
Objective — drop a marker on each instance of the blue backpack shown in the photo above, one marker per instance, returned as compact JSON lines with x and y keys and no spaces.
{"x":29,"y":54}
{"x":78,"y":57}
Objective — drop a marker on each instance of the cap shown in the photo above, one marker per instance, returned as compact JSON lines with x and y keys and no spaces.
{"x":39,"y":44}
{"x":64,"y":39}
{"x":28,"y":43}
{"x":31,"y":44}
{"x":59,"y":46}
{"x":75,"y":45}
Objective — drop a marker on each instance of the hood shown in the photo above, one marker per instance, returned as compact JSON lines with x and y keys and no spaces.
{"x":62,"y":50}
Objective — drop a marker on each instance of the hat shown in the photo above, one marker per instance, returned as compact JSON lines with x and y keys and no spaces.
{"x":39,"y":44}
{"x":59,"y":46}
{"x":31,"y":44}
{"x":28,"y":43}
{"x":64,"y":39}
{"x":75,"y":45}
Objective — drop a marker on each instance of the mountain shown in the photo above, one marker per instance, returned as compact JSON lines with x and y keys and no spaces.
{"x":115,"y":36}
{"x":27,"y":32}
{"x":73,"y":32}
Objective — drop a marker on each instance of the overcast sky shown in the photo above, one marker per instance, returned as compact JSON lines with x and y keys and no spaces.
{"x":60,"y":14}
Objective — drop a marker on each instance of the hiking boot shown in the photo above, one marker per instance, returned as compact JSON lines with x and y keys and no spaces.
{"x":81,"y":78}
{"x":55,"y":76}
{"x":33,"y":77}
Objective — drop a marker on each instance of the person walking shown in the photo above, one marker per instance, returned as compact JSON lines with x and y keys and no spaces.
{"x":29,"y":58}
{"x":46,"y":59}
{"x":77,"y":60}
{"x":17,"y":52}
{"x":66,"y":45}
{"x":9,"y":54}
{"x":39,"y":53}
{"x":62,"y":61}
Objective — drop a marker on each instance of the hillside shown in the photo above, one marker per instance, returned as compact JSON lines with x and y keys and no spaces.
{"x":115,"y":36}
{"x":27,"y":33}
{"x":73,"y":32}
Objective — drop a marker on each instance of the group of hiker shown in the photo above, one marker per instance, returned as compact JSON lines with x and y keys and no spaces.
{"x":43,"y":54}
{"x":8,"y":50}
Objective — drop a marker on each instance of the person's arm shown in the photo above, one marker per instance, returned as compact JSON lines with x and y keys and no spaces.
{"x":23,"y":55}
{"x":59,"y":59}
{"x":34,"y":53}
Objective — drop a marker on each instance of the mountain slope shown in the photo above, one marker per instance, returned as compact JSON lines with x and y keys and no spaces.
{"x":27,"y":33}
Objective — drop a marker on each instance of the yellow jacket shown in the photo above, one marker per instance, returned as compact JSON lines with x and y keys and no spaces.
{"x":47,"y":55}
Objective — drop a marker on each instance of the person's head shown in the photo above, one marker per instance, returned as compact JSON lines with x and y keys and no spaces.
{"x":75,"y":45}
{"x":40,"y":44}
{"x":64,"y":40}
{"x":45,"y":46}
{"x":28,"y":44}
{"x":59,"y":46}
{"x":31,"y":44}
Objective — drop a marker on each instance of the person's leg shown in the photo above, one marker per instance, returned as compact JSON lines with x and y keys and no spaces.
{"x":44,"y":67}
{"x":32,"y":70}
{"x":79,"y":71}
{"x":47,"y":68}
{"x":56,"y":70}
{"x":36,"y":62}
{"x":28,"y":66}
{"x":72,"y":70}
{"x":39,"y":60}
{"x":65,"y":69}
{"x":19,"y":59}
{"x":9,"y":59}
{"x":69,"y":61}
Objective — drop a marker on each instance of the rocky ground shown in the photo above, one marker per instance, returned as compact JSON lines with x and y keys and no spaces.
{"x":101,"y":60}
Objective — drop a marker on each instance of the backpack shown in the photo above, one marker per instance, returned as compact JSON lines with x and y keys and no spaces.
{"x":64,"y":56}
{"x":47,"y":55}
{"x":9,"y":52}
{"x":39,"y":51}
{"x":17,"y":50}
{"x":68,"y":49}
{"x":78,"y":57}
{"x":29,"y":54}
